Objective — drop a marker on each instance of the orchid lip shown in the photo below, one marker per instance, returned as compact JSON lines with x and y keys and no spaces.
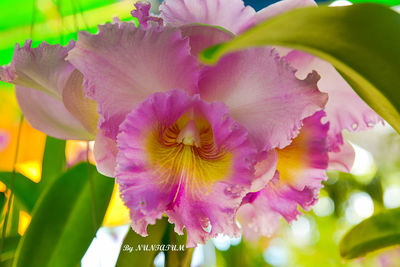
{"x":186,"y":158}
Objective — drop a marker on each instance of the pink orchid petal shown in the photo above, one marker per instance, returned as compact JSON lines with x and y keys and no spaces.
{"x":264,"y":170}
{"x":257,"y":218}
{"x":191,"y":199}
{"x":345,"y":109}
{"x":5,"y":138}
{"x":304,"y":162}
{"x":142,"y":13}
{"x":203,"y":36}
{"x":136,"y":185}
{"x":218,"y":209}
{"x":343,"y":159}
{"x":262,"y":94}
{"x":123,"y":65}
{"x":300,"y":170}
{"x":229,"y":14}
{"x":281,"y":7}
{"x":269,"y":205}
{"x":285,"y":200}
{"x":40,"y":75}
{"x":105,"y":154}
{"x":42,"y":68}
{"x":5,"y":75}
{"x":49,"y":115}
{"x":78,"y":104}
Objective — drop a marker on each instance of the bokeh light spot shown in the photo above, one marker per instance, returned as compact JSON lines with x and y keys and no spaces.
{"x":360,"y":206}
{"x":324,"y":207}
{"x":391,"y":197}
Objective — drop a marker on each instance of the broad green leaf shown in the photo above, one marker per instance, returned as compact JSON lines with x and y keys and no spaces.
{"x":10,"y":246}
{"x":378,"y":231}
{"x":25,"y":190}
{"x":366,"y":54}
{"x":6,"y":263}
{"x":53,"y":161}
{"x":137,"y":250}
{"x":62,"y":226}
{"x":386,"y":2}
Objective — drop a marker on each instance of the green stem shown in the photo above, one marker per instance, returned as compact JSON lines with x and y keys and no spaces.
{"x":33,"y":19}
{"x":92,"y":191}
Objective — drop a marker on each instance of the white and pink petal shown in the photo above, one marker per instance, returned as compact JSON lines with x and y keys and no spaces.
{"x":49,"y":115}
{"x":281,"y":7}
{"x":343,"y":159}
{"x":265,"y":169}
{"x":123,"y":65}
{"x":229,"y":14}
{"x":78,"y":104}
{"x":256,"y":216}
{"x":345,"y":109}
{"x":263,"y":95}
{"x":41,"y":76}
{"x":142,"y":13}
{"x":105,"y":154}
{"x":42,"y":68}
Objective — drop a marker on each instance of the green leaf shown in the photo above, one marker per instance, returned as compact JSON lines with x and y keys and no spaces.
{"x":6,"y":263}
{"x":3,"y":200}
{"x":241,"y":255}
{"x":386,"y":2}
{"x":136,"y":250}
{"x":366,"y":54}
{"x":62,"y":226}
{"x":10,"y":246}
{"x":13,"y":224}
{"x":379,"y":231}
{"x":25,"y":190}
{"x":176,"y":256}
{"x":53,"y":161}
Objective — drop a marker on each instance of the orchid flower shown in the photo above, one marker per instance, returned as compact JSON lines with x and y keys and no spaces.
{"x":190,"y":141}
{"x":49,"y":91}
{"x":300,"y":169}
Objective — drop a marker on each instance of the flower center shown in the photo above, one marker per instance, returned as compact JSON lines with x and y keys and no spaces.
{"x":185,"y":156}
{"x":189,"y":135}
